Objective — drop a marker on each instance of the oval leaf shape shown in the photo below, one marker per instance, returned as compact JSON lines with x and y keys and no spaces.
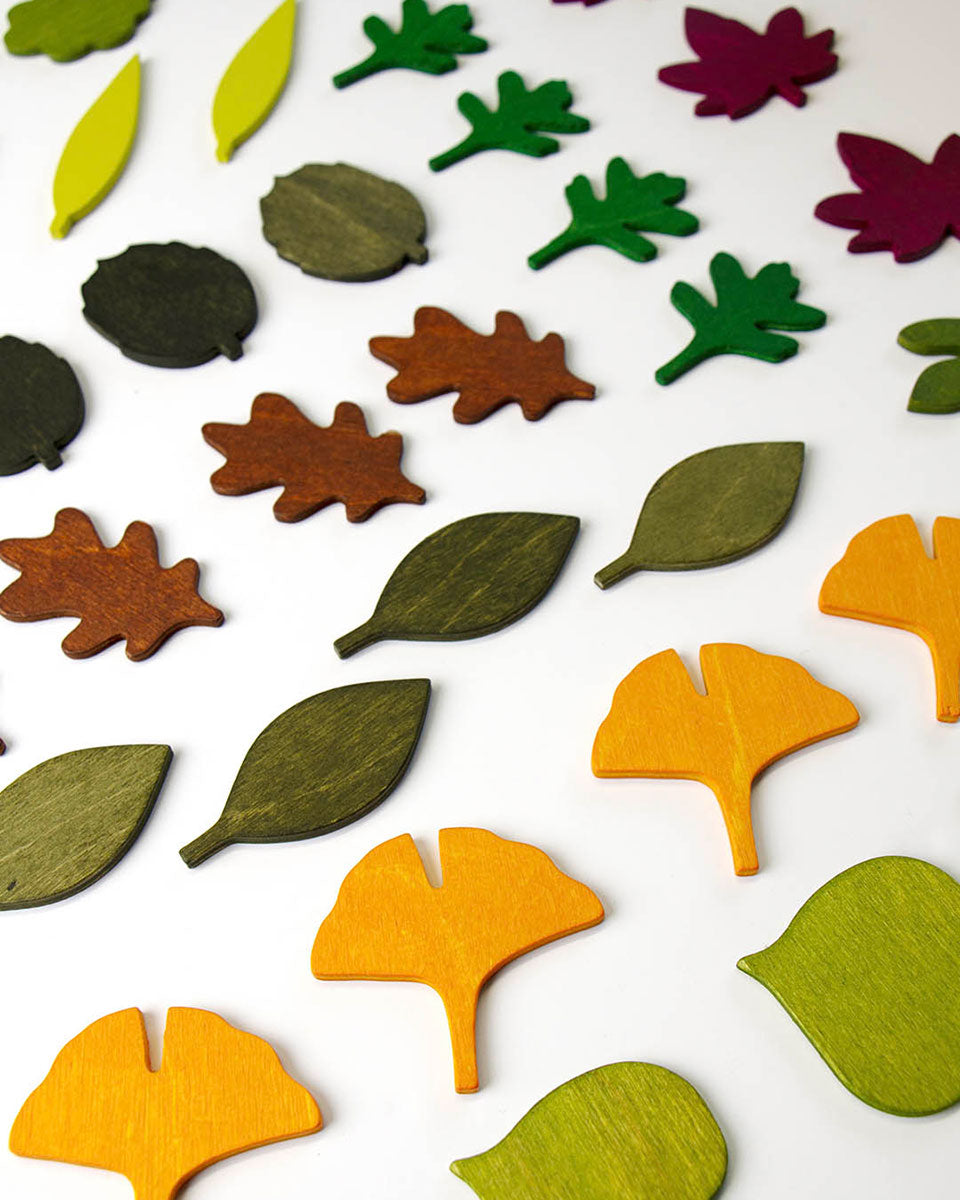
{"x":937,"y":390}
{"x":712,"y":508}
{"x":97,"y":151}
{"x":469,"y":578}
{"x":626,"y":1130}
{"x":68,"y":29}
{"x":868,"y":969}
{"x":323,"y":763}
{"x":66,"y":822}
{"x":41,"y":405}
{"x":254,"y":81}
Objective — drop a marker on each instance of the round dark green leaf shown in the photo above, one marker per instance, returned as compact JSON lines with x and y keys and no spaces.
{"x":41,"y":405}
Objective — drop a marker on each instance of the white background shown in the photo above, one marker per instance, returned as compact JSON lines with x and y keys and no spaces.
{"x":507,"y":741}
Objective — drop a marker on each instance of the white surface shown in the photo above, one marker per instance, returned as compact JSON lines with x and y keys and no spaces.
{"x":507,"y":741}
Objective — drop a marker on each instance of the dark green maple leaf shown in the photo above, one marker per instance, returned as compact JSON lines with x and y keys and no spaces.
{"x":632,"y":203}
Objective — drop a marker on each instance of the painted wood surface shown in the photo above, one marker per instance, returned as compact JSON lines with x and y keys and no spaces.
{"x":937,"y":389}
{"x":68,"y":29}
{"x":41,"y":406}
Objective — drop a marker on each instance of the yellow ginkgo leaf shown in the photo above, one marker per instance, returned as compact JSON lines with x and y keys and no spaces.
{"x":252,"y":84}
{"x":97,"y":151}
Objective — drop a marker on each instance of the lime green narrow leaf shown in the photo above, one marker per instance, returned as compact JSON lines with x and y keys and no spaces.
{"x":253,"y":82}
{"x":69,"y":29}
{"x":97,"y":151}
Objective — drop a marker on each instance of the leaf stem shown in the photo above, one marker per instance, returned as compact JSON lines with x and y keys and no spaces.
{"x":471,"y":144}
{"x":694,"y":353}
{"x":357,"y":639}
{"x":370,"y":66}
{"x":561,"y":244}
{"x":613,"y":572}
{"x":206,"y":845}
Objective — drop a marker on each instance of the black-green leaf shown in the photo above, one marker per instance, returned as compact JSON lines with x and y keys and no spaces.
{"x":41,"y":405}
{"x":469,"y":578}
{"x":937,"y":390}
{"x":323,"y":763}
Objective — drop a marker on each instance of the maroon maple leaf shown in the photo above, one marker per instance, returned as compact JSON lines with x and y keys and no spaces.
{"x":904,"y":204}
{"x":740,"y":69}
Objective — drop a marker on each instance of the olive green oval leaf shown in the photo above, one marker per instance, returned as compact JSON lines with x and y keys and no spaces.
{"x":869,"y":970}
{"x":626,"y":1130}
{"x":469,"y":578}
{"x":938,"y":388}
{"x":323,"y":763}
{"x":67,"y":821}
{"x":712,"y":508}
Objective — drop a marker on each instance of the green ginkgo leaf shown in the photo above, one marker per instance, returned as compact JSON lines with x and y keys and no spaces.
{"x":69,"y":29}
{"x":628,"y":1131}
{"x":66,"y":822}
{"x":937,"y":390}
{"x":869,"y":969}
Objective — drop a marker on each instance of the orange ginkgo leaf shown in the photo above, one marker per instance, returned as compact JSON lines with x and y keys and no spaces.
{"x":887,"y":577}
{"x":218,"y":1091}
{"x":757,"y":708}
{"x":498,"y":900}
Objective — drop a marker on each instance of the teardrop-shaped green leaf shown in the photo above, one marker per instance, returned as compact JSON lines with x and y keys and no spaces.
{"x":869,"y":968}
{"x":323,"y":763}
{"x":629,"y":1130}
{"x":66,"y":822}
{"x":712,"y":508}
{"x":469,"y":578}
{"x":937,"y":390}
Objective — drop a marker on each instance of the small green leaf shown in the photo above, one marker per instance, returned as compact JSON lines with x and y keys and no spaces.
{"x":323,"y":763}
{"x":869,"y":970}
{"x":69,"y":29}
{"x":628,"y":1131}
{"x":711,"y":508}
{"x":937,"y":390}
{"x":66,"y":822}
{"x":469,"y":578}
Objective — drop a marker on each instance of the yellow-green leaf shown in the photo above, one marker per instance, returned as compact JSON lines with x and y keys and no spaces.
{"x":252,"y":84}
{"x":97,"y":151}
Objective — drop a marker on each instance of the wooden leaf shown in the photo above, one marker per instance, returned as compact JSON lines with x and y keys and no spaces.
{"x":323,"y":763}
{"x":314,"y":464}
{"x":886,"y":577}
{"x":444,"y":355}
{"x":711,"y":508}
{"x":937,"y":390}
{"x":498,"y":900}
{"x":69,"y":29}
{"x":629,"y":1129}
{"x":868,"y":969}
{"x":339,"y":222}
{"x":68,"y":821}
{"x":757,"y":708}
{"x":217,"y":1092}
{"x":118,"y":592}
{"x":470,"y":578}
{"x":41,"y":406}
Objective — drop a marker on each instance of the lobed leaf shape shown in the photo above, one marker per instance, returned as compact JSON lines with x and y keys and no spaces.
{"x":757,"y":709}
{"x":747,"y":309}
{"x":519,"y":123}
{"x":217,"y":1092}
{"x":68,"y":821}
{"x":498,"y":900}
{"x":868,"y":969}
{"x":322,"y":764}
{"x":629,"y":1129}
{"x":41,"y":405}
{"x":937,"y":389}
{"x":468,"y":579}
{"x":69,"y":29}
{"x":711,"y":508}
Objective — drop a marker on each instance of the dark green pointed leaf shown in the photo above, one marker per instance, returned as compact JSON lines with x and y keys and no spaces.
{"x":467,"y":579}
{"x":712,"y":508}
{"x":323,"y":763}
{"x":869,"y":970}
{"x":41,"y":405}
{"x":937,"y":390}
{"x":628,"y":1131}
{"x":66,"y":822}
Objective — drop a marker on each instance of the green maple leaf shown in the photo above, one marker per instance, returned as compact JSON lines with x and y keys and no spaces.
{"x":632,"y":203}
{"x":746,"y":310}
{"x":69,"y":29}
{"x":518,"y":123}
{"x":426,"y":41}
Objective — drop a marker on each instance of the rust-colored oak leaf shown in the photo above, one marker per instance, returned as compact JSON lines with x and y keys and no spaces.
{"x":444,"y":355}
{"x":315,"y":465}
{"x":117,"y":591}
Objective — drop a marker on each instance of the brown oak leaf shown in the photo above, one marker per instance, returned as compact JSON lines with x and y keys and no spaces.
{"x":316,"y":465}
{"x":117,"y":591}
{"x":444,"y":355}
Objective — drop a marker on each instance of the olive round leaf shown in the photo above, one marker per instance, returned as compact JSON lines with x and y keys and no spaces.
{"x":937,"y":389}
{"x":868,"y":969}
{"x":626,"y":1130}
{"x":712,"y":508}
{"x":41,"y":406}
{"x":70,"y":819}
{"x":323,"y":763}
{"x":468,"y":579}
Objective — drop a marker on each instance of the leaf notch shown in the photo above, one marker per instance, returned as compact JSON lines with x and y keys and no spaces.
{"x":937,"y":389}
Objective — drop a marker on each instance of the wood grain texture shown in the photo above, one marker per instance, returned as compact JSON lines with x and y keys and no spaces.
{"x":217,"y":1092}
{"x":118,"y":592}
{"x":41,"y":406}
{"x":757,"y":709}
{"x":937,"y":389}
{"x":68,"y":29}
{"x":316,"y":465}
{"x":498,"y":900}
